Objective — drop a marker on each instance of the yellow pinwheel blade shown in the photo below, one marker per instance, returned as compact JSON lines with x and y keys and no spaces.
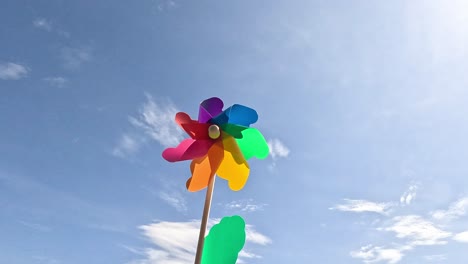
{"x":234,"y":168}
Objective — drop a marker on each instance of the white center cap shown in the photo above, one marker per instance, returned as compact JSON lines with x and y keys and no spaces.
{"x":214,"y":132}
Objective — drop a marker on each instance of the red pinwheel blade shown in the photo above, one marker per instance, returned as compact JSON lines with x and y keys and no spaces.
{"x":210,"y":108}
{"x":195,"y":129}
{"x":187,"y":149}
{"x":238,"y":115}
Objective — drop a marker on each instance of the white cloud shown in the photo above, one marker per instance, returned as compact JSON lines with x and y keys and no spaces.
{"x":157,"y":121}
{"x":174,"y":199}
{"x":255,"y":237}
{"x":360,"y":206}
{"x":461,"y":237}
{"x":73,"y":57}
{"x":42,"y":23}
{"x":277,"y":149}
{"x":163,"y":5}
{"x":418,"y":231}
{"x":126,"y":146}
{"x":412,"y":230}
{"x":64,"y":33}
{"x":56,"y":81}
{"x":246,"y":205}
{"x":107,"y":227}
{"x":45,"y":260}
{"x":12,"y":71}
{"x":171,"y":194}
{"x":176,"y":242}
{"x":435,"y":258}
{"x":409,"y":195}
{"x":373,"y":254}
{"x":245,"y":254}
{"x":35,"y":226}
{"x":457,"y":209}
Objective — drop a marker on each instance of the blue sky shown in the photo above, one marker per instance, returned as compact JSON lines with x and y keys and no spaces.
{"x":363,"y":104}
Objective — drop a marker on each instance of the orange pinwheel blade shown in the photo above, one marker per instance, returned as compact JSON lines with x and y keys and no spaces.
{"x":205,"y":167}
{"x":234,"y":167}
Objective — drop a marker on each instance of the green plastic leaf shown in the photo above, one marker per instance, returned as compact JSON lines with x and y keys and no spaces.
{"x":253,"y":144}
{"x":225,"y":241}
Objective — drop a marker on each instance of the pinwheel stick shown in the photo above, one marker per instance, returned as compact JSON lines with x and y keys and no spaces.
{"x":206,"y":213}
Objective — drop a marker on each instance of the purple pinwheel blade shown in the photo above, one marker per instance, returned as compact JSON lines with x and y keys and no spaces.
{"x":187,"y":150}
{"x":238,"y":115}
{"x":210,"y":108}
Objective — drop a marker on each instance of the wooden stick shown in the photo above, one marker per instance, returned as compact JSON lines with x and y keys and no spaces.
{"x":206,"y":213}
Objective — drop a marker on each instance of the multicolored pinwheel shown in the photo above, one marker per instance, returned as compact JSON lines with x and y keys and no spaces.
{"x":221,"y":143}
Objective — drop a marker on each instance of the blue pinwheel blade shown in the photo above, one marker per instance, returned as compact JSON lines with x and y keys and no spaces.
{"x":238,"y":115}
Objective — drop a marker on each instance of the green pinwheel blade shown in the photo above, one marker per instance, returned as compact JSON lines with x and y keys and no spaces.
{"x":225,"y":241}
{"x":233,"y":130}
{"x":253,"y":144}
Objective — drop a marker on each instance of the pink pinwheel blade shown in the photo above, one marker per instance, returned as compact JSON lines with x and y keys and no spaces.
{"x":187,"y":149}
{"x":210,"y":108}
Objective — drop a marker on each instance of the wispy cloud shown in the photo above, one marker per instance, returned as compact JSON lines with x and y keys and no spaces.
{"x":409,"y":195}
{"x":42,"y":23}
{"x":107,"y":227}
{"x":255,"y":237}
{"x":277,"y":149}
{"x":174,"y":199}
{"x":154,"y":121}
{"x":411,"y":231}
{"x":35,"y":226}
{"x":46,"y":25}
{"x":13,"y":71}
{"x":57,"y":81}
{"x":360,"y":206}
{"x":163,"y":5}
{"x":45,"y":260}
{"x":461,"y":237}
{"x":457,"y":209}
{"x":245,"y":205}
{"x":74,"y":57}
{"x":127,"y":145}
{"x":176,"y":242}
{"x":170,"y":193}
{"x":244,"y":254}
{"x":418,"y":231}
{"x":157,"y":121}
{"x":373,"y":254}
{"x":435,"y":258}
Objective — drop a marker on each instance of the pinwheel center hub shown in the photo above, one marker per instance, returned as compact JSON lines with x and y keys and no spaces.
{"x":214,"y":132}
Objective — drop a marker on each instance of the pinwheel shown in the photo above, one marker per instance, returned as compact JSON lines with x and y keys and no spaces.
{"x":220,"y":144}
